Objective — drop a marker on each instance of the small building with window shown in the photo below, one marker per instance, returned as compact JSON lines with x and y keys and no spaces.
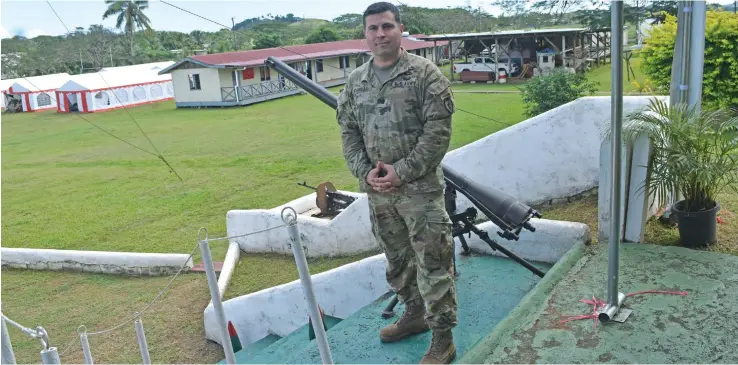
{"x":115,"y":87}
{"x":242,"y":78}
{"x":37,"y":92}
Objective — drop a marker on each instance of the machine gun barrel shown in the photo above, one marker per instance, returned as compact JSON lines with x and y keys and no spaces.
{"x":303,"y":82}
{"x":307,"y":186}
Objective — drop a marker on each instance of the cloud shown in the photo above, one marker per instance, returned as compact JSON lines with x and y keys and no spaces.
{"x":35,"y":32}
{"x":4,"y":33}
{"x":27,"y":33}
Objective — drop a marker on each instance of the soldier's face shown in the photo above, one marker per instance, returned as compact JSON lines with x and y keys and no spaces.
{"x":383,"y":34}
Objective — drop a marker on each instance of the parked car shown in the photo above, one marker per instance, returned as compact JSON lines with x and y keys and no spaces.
{"x":486,"y":64}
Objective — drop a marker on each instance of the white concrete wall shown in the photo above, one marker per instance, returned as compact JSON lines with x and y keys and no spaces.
{"x":282,"y":309}
{"x":332,"y":70}
{"x":551,"y":240}
{"x":346,"y":234}
{"x":553,"y":155}
{"x":127,"y":263}
{"x":209,"y":84}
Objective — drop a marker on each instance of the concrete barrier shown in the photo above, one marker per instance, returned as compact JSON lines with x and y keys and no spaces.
{"x":551,"y":240}
{"x":553,"y":155}
{"x":100,"y":262}
{"x":348,"y":233}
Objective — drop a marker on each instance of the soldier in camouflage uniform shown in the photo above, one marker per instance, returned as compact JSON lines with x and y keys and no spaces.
{"x":395,"y":118}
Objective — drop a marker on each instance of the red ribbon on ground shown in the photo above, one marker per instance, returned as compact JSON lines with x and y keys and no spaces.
{"x":598,"y":305}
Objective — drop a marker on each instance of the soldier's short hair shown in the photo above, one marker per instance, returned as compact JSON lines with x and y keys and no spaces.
{"x":381,"y":7}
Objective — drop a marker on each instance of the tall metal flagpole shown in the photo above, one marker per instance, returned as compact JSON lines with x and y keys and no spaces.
{"x":696,"y":54}
{"x":614,"y":298}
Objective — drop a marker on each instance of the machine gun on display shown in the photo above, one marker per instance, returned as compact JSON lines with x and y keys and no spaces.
{"x":329,"y":200}
{"x":501,"y":209}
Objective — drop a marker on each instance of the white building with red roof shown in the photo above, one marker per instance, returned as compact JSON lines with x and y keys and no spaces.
{"x":242,"y":78}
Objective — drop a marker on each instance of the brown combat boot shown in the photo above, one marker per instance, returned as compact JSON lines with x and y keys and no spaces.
{"x":442,"y":349}
{"x":411,"y":322}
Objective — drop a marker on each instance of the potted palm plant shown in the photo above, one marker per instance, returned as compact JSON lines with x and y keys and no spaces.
{"x":693,"y":153}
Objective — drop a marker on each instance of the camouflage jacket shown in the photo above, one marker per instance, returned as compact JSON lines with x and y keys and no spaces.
{"x":405,"y":122}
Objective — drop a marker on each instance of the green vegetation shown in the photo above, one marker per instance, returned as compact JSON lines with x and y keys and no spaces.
{"x":547,"y":92}
{"x":88,"y":49}
{"x":87,"y":191}
{"x":720,"y":86}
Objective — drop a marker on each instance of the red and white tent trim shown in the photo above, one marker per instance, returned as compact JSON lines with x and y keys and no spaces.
{"x":114,"y":88}
{"x":36,"y":92}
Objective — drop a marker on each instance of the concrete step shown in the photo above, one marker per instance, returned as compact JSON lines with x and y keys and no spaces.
{"x":292,"y":342}
{"x":487,"y":290}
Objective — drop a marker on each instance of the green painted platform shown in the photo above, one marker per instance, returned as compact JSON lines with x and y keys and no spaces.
{"x":272,"y":344}
{"x":488,"y":289}
{"x":698,"y":328}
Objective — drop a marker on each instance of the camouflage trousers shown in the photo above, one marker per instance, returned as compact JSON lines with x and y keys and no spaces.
{"x":414,"y":231}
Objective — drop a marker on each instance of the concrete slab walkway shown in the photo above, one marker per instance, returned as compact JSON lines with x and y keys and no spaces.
{"x":700,"y":327}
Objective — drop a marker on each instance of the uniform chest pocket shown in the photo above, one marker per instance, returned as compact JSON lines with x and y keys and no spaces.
{"x":402,"y":100}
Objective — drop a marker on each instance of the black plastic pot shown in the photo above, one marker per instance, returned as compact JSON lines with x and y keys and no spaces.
{"x":696,"y":228}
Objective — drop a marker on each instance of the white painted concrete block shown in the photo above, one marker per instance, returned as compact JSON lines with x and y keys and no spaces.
{"x":282,"y":309}
{"x":640,"y":205}
{"x":128,"y":263}
{"x":551,"y":240}
{"x":605,"y":189}
{"x":346,"y":234}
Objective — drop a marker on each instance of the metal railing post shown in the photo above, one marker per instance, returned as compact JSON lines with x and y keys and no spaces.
{"x":82,"y":331}
{"x":307,"y":285}
{"x":8,"y":357}
{"x":49,"y":355}
{"x":614,"y":298}
{"x":207,"y":261}
{"x":142,"y":344}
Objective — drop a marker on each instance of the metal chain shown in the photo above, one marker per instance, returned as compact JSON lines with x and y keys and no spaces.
{"x":139,"y":314}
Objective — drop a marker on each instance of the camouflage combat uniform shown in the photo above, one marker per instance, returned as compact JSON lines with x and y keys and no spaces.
{"x":406,"y":122}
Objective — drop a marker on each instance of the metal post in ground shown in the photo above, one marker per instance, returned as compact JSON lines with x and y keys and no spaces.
{"x":207,"y":261}
{"x":8,"y":357}
{"x":696,"y":54}
{"x":142,"y":344}
{"x":307,"y":284}
{"x":49,"y":355}
{"x":614,"y":298}
{"x":82,"y":331}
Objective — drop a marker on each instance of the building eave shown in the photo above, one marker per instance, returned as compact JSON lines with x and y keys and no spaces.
{"x":190,"y":60}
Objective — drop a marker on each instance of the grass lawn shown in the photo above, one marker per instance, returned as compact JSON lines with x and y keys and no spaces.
{"x":68,"y":185}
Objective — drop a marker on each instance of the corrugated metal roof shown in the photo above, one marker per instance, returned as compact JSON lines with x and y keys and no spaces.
{"x":518,"y":32}
{"x":293,"y":53}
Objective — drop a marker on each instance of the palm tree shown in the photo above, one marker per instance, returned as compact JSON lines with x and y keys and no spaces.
{"x":130,"y":13}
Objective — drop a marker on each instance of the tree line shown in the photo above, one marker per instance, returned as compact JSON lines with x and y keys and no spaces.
{"x":134,"y":39}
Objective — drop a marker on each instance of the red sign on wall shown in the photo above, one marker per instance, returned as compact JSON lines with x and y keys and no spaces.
{"x":248,"y":73}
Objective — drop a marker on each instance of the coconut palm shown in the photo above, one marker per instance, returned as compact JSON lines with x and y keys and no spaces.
{"x":130,"y":15}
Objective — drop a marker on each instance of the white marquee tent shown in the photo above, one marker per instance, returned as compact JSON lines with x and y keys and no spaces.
{"x":4,"y":88}
{"x":37,"y":92}
{"x":115,"y":87}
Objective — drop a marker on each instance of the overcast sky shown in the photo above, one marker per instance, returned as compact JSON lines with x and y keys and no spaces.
{"x":31,"y":18}
{"x":34,"y":17}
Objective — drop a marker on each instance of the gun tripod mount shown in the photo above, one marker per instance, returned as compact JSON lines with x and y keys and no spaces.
{"x":329,"y":200}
